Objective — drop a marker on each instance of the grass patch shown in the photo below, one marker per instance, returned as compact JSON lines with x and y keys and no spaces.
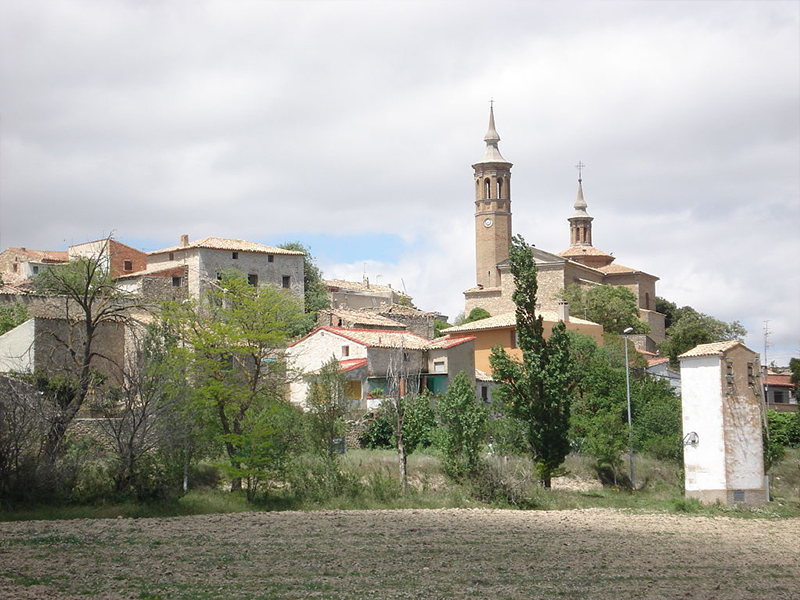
{"x":372,"y":478}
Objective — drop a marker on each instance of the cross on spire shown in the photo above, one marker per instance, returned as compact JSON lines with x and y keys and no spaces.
{"x":491,"y":102}
{"x":580,"y":166}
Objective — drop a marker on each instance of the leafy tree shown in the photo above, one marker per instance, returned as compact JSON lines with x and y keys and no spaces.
{"x":477,"y":314}
{"x":145,"y":415}
{"x":316,"y":295}
{"x":690,"y":328}
{"x":327,"y":406}
{"x":463,"y":427}
{"x":232,"y":342}
{"x":420,"y":422}
{"x":439,"y":326}
{"x":538,"y":389}
{"x":784,"y":428}
{"x":91,"y":300}
{"x":615,"y":308}
{"x":794,"y":367}
{"x":599,"y":414}
{"x":12,"y":315}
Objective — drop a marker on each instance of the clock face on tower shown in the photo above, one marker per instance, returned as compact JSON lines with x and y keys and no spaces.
{"x":488,"y":222}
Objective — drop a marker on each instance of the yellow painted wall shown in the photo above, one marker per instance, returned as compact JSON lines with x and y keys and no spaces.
{"x":488,"y":339}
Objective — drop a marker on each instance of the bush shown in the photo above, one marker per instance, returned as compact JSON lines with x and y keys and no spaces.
{"x":379,"y":432}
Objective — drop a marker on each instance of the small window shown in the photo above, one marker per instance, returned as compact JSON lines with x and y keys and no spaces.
{"x":235,"y":255}
{"x":252,"y":279}
{"x":779,"y":397}
{"x":345,"y":350}
{"x":35,"y":270}
{"x":405,"y":356}
{"x":514,"y":339}
{"x":127,"y":265}
{"x":270,"y":258}
{"x":16,"y":265}
{"x":287,"y":281}
{"x":438,"y":366}
{"x":485,"y":393}
{"x":176,"y":282}
{"x":172,"y":256}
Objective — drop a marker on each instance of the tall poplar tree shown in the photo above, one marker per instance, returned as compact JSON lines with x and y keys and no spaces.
{"x":536,"y":390}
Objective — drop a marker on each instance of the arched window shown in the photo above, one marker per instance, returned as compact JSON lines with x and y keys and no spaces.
{"x":499,"y":188}
{"x":487,"y":184}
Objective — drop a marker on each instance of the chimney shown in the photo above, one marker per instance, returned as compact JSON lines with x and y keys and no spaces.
{"x":184,"y":240}
{"x":563,"y":311}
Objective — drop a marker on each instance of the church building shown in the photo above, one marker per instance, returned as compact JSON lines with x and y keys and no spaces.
{"x":581,"y":263}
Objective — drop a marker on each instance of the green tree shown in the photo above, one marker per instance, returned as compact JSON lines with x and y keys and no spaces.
{"x":327,"y":406}
{"x":538,"y":389}
{"x":690,"y":328}
{"x":316,"y":295}
{"x":232,"y":348}
{"x":477,"y":314}
{"x":615,"y":308}
{"x":90,"y":301}
{"x":794,"y":367}
{"x":463,"y":427}
{"x":439,"y":326}
{"x":11,"y":316}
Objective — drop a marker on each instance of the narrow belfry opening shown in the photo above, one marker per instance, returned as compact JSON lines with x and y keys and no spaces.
{"x":499,"y":188}
{"x":487,"y":188}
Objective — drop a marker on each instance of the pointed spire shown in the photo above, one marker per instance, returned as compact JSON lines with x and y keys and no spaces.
{"x":491,"y":135}
{"x":492,"y":153}
{"x":580,"y":203}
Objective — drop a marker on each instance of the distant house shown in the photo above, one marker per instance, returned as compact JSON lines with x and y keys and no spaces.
{"x":779,"y":392}
{"x":116,"y":257}
{"x":206,"y":258}
{"x":18,"y":265}
{"x":376,"y":361}
{"x":658,"y":367}
{"x":355,"y":295}
{"x":356,"y":319}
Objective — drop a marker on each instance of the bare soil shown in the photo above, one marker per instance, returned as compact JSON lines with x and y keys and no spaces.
{"x":597,"y":553}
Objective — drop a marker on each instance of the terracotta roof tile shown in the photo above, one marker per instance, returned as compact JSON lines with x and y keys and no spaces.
{"x":508,"y":320}
{"x":350,"y":364}
{"x":364,"y":317}
{"x":55,"y":256}
{"x":381,"y":338}
{"x":217,"y":243}
{"x":154,"y":268}
{"x":448,"y":342}
{"x":711,"y":349}
{"x":582,"y":251}
{"x":778,"y":380}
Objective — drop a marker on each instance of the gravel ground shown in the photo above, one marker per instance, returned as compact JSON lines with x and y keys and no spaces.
{"x":429,"y":554}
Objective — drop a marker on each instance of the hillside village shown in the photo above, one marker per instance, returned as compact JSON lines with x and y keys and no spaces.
{"x":365,"y":322}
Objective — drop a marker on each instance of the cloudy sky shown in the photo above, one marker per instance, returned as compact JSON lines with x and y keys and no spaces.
{"x":352,"y":127}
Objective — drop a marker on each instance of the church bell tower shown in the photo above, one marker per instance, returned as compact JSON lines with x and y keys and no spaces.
{"x":492,"y":209}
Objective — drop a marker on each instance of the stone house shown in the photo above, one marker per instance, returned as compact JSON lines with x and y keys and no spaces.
{"x":44,"y":344}
{"x":721,"y":399}
{"x":355,"y":295}
{"x":377,"y":361}
{"x":196,"y":265}
{"x":18,"y":265}
{"x":356,"y":319}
